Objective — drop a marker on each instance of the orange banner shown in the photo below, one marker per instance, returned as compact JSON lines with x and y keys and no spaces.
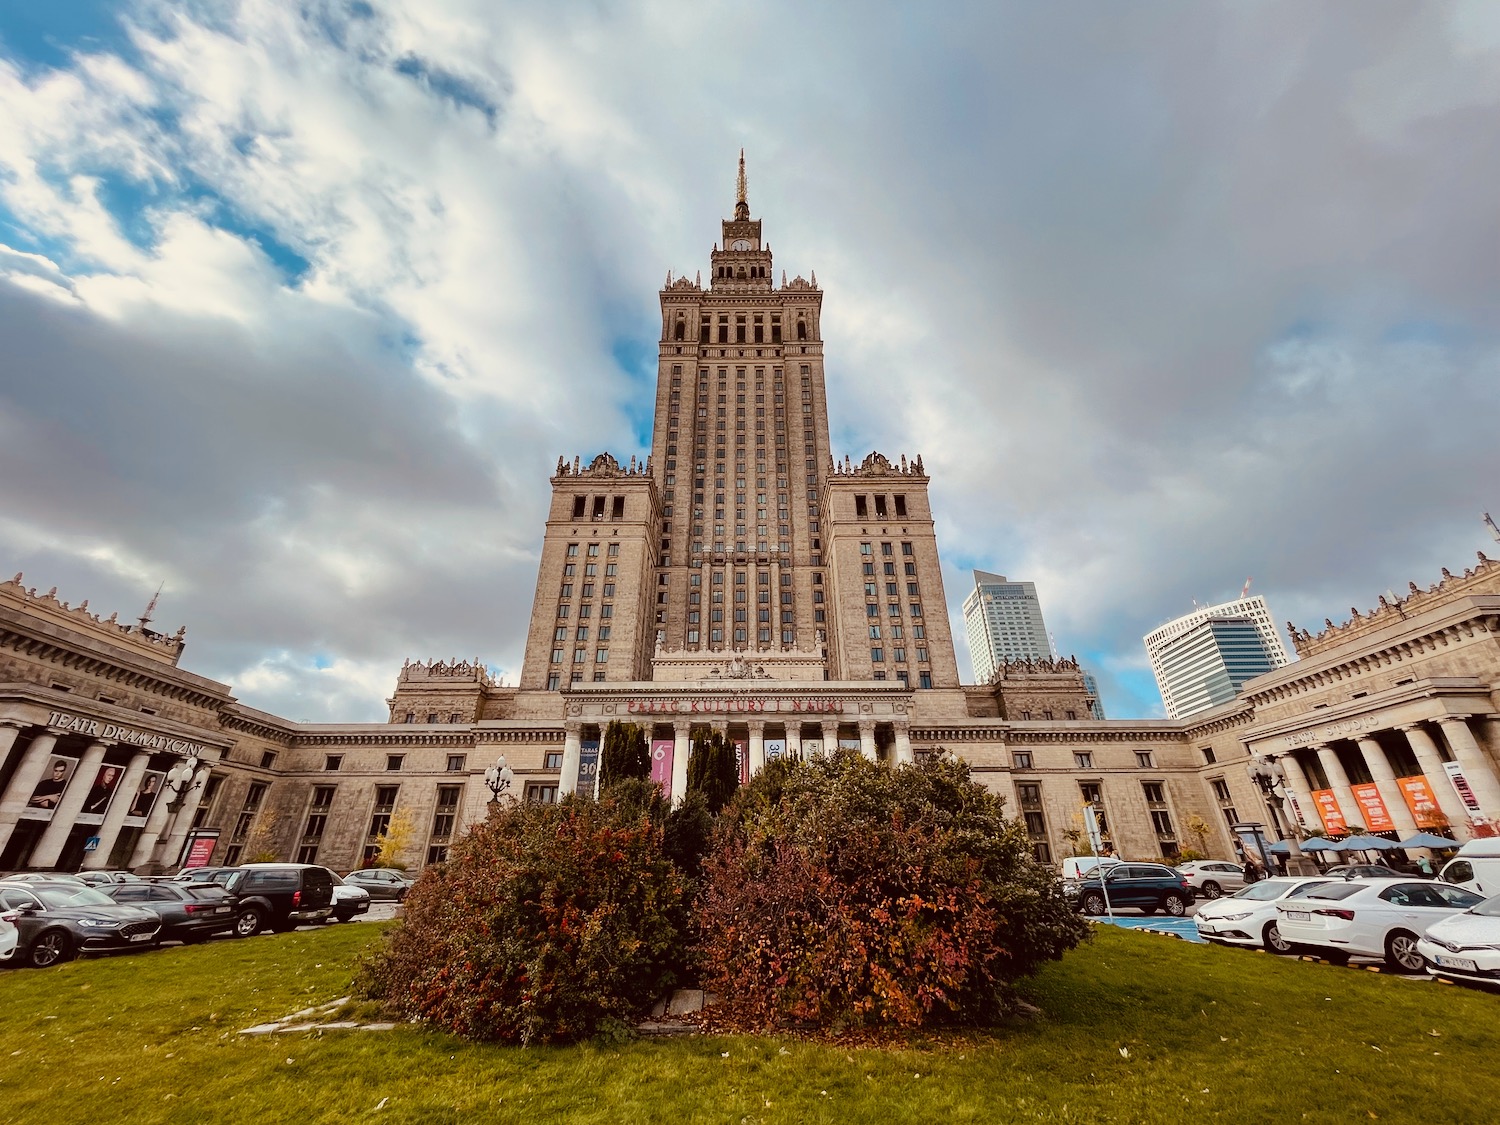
{"x":1372,"y":807}
{"x":1328,"y":809}
{"x":1419,"y":797}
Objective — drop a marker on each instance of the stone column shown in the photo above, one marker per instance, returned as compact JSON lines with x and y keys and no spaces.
{"x":1425,"y":750}
{"x":10,"y":730}
{"x":182,"y":823}
{"x":1296,"y":780}
{"x":152,"y":834}
{"x":830,"y":737}
{"x":1338,"y":781}
{"x":23,"y":782}
{"x":757,"y":746}
{"x":1385,"y":780}
{"x":867,"y":739}
{"x":572,"y":750}
{"x":1478,"y":770}
{"x":681,"y":747}
{"x":904,"y":755}
{"x":109,"y":831}
{"x":50,"y":846}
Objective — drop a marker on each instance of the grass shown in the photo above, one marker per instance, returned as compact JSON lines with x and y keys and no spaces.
{"x":1135,"y":1028}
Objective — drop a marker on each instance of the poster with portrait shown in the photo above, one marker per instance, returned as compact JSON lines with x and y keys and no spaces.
{"x":49,"y":790}
{"x":100,"y":793}
{"x":145,"y":796}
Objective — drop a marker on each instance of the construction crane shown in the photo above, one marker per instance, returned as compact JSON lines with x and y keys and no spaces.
{"x":1494,"y":531}
{"x":1245,"y":590}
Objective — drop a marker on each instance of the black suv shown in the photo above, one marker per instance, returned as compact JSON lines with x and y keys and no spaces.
{"x":1147,"y":887}
{"x":280,"y":895}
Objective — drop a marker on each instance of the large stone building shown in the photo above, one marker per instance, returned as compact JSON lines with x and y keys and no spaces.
{"x":741,"y":579}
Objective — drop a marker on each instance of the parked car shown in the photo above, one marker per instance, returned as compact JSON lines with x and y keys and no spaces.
{"x":1211,"y":878}
{"x":41,"y":877}
{"x":1465,"y":946}
{"x":348,"y":900}
{"x":59,"y":919}
{"x":1476,"y":867}
{"x":1366,"y":871}
{"x":10,"y":937}
{"x":1370,"y":918}
{"x":107,"y":878}
{"x":203,"y":874}
{"x":382,"y":882}
{"x":189,"y":913}
{"x":1147,"y":887}
{"x":1248,"y":917}
{"x":282,"y":896}
{"x":1075,"y":867}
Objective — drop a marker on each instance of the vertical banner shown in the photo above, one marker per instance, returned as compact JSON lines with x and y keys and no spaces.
{"x":812,"y":748}
{"x":1296,"y":806}
{"x":1455,"y":774}
{"x":49,"y":790}
{"x":742,"y":759}
{"x":661,"y":764}
{"x":106,"y":781}
{"x":775,"y":748}
{"x":1372,"y":806}
{"x":588,"y":765}
{"x":1422,"y":801}
{"x":200,"y":847}
{"x":1328,"y":809}
{"x":145,"y":797}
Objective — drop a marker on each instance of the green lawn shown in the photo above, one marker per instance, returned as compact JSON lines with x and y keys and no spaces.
{"x":1136,"y":1028}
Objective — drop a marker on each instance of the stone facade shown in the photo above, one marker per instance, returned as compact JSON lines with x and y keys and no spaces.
{"x":835,"y":581}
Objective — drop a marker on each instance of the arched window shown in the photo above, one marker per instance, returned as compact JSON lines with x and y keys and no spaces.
{"x":681,"y":328}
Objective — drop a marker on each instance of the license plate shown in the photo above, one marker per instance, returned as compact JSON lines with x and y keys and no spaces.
{"x":1206,"y":929}
{"x":1299,"y":915}
{"x":221,"y":910}
{"x":1458,"y":963}
{"x":140,"y":937}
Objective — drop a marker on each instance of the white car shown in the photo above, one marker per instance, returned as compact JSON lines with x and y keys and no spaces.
{"x":10,"y":937}
{"x":1211,"y":878}
{"x":1370,"y":918}
{"x":1248,"y":917}
{"x":1466,"y":946}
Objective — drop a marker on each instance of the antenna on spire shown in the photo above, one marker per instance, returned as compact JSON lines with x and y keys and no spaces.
{"x":741,"y":198}
{"x":145,"y":618}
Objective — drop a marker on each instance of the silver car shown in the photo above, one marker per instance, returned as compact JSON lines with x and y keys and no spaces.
{"x":1212,"y":878}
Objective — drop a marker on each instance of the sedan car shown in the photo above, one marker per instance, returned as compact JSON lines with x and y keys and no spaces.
{"x":1248,"y":917}
{"x":1465,"y":946}
{"x":60,"y":919}
{"x":107,"y":878}
{"x":42,"y":877}
{"x":1370,"y":918}
{"x":381,"y":882}
{"x":10,"y":937}
{"x":203,"y":875}
{"x":348,"y":900}
{"x":1147,"y":887}
{"x":1211,"y":878}
{"x":188,"y":913}
{"x":1365,"y":871}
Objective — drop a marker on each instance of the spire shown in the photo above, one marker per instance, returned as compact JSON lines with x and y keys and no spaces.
{"x":741,"y":203}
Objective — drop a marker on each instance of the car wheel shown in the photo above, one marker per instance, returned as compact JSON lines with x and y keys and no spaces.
{"x":1401,"y":953}
{"x":401,"y":895}
{"x":1093,"y":904}
{"x":249,"y":923}
{"x":1274,"y":941}
{"x":51,"y":947}
{"x":1211,"y":889}
{"x":1174,"y":905}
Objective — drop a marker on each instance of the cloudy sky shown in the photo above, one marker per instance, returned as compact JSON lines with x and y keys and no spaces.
{"x":300,"y":303}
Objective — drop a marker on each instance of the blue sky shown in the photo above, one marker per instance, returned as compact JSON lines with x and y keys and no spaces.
{"x":303,"y":302}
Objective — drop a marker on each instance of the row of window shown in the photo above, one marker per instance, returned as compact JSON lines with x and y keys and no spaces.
{"x":1029,"y":797}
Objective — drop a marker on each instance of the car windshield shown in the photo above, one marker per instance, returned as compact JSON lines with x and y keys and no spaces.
{"x":1264,"y":891}
{"x":1489,"y":908}
{"x":59,"y":898}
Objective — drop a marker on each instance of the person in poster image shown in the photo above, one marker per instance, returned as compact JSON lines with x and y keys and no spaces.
{"x":49,"y":790}
{"x":104,"y":787}
{"x":150,"y":787}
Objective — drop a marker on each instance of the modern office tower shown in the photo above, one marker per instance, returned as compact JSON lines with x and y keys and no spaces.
{"x":1097,"y":707}
{"x":1202,"y":659}
{"x":1004,"y":622}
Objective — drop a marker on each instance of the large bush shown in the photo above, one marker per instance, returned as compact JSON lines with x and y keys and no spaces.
{"x":623,"y":755}
{"x":841,"y":893}
{"x":546,"y":923}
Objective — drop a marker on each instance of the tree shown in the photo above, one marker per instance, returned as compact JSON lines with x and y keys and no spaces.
{"x":395,"y":840}
{"x":713,"y":771}
{"x":623,"y":755}
{"x":1198,"y":829}
{"x":261,"y":846}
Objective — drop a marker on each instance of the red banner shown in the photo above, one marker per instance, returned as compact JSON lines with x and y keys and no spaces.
{"x":1422,"y":801}
{"x":1328,"y":809}
{"x":661,"y":764}
{"x":1372,"y":807}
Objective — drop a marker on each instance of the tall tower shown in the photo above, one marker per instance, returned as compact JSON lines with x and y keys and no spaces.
{"x":739,"y":452}
{"x":1004,"y":622}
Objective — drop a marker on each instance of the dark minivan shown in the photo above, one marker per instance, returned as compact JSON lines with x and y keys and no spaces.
{"x":282,"y":896}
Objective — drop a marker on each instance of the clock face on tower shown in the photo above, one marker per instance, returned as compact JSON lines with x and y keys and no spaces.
{"x":740,"y":244}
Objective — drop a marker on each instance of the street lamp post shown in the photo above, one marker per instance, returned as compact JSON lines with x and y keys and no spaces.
{"x":1270,"y":777}
{"x":499,"y":778}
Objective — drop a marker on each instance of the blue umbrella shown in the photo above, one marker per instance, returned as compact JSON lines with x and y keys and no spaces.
{"x":1280,"y":847}
{"x":1368,"y":844}
{"x":1428,"y":840}
{"x":1319,"y":844}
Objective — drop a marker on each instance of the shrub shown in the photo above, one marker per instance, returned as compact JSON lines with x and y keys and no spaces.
{"x":841,"y":893}
{"x":623,"y":755}
{"x":713,"y":771}
{"x":547,"y":924}
{"x":689,"y":831}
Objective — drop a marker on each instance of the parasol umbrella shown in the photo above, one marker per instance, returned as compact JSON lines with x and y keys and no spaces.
{"x":1319,"y":844}
{"x":1429,"y":840}
{"x":1368,"y":844}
